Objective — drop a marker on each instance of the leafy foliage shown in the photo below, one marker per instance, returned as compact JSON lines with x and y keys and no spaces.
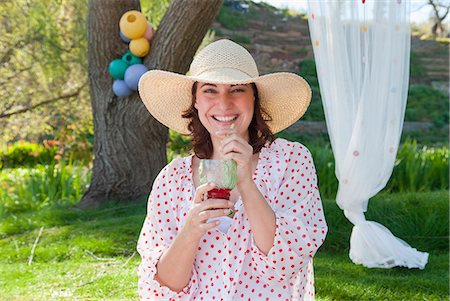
{"x":28,"y":154}
{"x":154,"y":10}
{"x":56,"y":184}
{"x":43,"y":60}
{"x":427,"y":104}
{"x":420,"y":169}
{"x":307,"y":69}
{"x":231,"y":19}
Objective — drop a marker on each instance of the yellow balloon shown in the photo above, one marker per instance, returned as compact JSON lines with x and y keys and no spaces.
{"x":133,"y":24}
{"x":140,"y":47}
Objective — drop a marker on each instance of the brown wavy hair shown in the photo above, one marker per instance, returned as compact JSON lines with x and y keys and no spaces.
{"x":258,"y":130}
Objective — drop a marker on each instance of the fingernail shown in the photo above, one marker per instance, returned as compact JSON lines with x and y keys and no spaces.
{"x":227,"y":211}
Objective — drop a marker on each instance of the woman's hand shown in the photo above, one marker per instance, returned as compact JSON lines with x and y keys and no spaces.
{"x":235,"y":147}
{"x":203,"y":209}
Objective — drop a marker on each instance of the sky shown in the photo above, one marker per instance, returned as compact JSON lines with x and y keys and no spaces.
{"x":418,"y":15}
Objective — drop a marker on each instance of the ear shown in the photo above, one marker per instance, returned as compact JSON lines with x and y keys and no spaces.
{"x":195,"y":105}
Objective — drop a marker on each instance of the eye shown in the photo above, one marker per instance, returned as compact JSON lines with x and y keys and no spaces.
{"x":239,"y":90}
{"x":209,"y":91}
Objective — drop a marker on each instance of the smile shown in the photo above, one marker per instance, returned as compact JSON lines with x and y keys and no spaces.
{"x":225,"y":118}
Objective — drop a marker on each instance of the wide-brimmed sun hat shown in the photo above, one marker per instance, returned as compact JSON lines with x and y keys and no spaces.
{"x":284,"y":96}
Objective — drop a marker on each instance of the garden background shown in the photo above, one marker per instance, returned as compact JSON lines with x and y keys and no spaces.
{"x":51,"y":250}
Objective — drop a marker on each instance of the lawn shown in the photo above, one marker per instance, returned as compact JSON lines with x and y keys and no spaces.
{"x":90,"y":255}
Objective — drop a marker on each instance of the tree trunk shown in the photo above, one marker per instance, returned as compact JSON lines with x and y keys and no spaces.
{"x":129,"y":144}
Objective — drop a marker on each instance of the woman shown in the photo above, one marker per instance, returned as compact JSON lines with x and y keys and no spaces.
{"x":264,"y":250}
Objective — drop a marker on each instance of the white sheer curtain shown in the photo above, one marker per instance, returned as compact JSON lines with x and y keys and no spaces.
{"x":361,"y":49}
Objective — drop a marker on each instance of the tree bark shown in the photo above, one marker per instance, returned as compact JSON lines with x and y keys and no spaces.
{"x":129,"y":144}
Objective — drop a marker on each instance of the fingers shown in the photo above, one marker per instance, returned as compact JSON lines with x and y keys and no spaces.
{"x":205,"y":215}
{"x":209,"y":226}
{"x":202,"y":190}
{"x":210,"y":204}
{"x":236,"y":144}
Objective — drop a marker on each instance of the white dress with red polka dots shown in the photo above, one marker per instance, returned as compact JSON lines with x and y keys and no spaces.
{"x":229,"y":266}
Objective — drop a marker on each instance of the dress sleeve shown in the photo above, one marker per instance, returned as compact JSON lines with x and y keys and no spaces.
{"x":300,"y":222}
{"x":159,"y":230}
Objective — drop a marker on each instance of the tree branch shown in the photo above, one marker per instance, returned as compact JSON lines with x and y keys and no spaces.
{"x":45,"y":102}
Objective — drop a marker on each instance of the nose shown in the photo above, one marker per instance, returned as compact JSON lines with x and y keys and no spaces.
{"x":225,"y":101}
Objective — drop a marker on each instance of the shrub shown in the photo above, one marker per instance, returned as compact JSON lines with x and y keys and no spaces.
{"x":56,"y":184}
{"x":416,"y":69}
{"x":416,"y":168}
{"x":427,"y":104}
{"x":240,"y":39}
{"x":178,"y":145}
{"x":231,"y":19}
{"x":307,"y":69}
{"x":23,"y":153}
{"x":420,"y":169}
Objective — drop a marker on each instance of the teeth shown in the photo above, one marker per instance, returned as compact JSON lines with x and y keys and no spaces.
{"x":225,"y":119}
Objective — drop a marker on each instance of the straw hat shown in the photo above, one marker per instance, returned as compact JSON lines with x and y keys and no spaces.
{"x":284,"y":96}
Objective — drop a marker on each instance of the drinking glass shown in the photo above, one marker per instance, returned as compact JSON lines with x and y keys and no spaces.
{"x":223,"y":173}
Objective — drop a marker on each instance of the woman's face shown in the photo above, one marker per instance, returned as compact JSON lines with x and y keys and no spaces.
{"x":221,"y":105}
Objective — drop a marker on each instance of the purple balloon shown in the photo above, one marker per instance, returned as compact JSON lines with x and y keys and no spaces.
{"x":124,"y":38}
{"x":121,"y":89}
{"x":133,"y":74}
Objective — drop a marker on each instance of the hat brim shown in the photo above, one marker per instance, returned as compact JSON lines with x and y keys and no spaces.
{"x":167,"y":95}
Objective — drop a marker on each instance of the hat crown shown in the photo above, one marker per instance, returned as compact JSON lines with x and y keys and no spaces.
{"x":224,"y":54}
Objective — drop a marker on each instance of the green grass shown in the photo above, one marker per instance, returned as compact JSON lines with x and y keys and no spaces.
{"x":337,"y":278}
{"x":90,"y":255}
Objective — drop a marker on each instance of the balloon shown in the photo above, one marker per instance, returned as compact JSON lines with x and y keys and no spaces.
{"x":131,"y":59}
{"x":149,"y":32}
{"x":133,"y":24}
{"x":124,"y":38}
{"x":121,"y":89}
{"x":117,"y":68}
{"x":139,"y":47}
{"x":133,"y":74}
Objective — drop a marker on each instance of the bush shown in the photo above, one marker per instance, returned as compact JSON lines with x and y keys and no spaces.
{"x":415,"y":169}
{"x":420,"y":169}
{"x":427,"y":104}
{"x":307,"y":69}
{"x":178,"y":145}
{"x":56,"y":184}
{"x":240,"y":39}
{"x":28,"y":154}
{"x":231,"y":19}
{"x":416,"y":69}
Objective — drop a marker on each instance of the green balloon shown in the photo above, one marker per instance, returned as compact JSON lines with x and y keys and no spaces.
{"x":131,"y":59}
{"x":117,"y":69}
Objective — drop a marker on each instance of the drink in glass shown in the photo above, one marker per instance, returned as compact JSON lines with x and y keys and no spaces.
{"x":223,"y":173}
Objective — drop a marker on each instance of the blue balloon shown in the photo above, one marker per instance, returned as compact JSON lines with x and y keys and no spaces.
{"x":124,"y":38}
{"x":133,"y":74}
{"x":121,"y":89}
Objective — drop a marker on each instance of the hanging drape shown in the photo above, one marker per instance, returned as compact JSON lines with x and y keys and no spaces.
{"x":361,"y":50}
